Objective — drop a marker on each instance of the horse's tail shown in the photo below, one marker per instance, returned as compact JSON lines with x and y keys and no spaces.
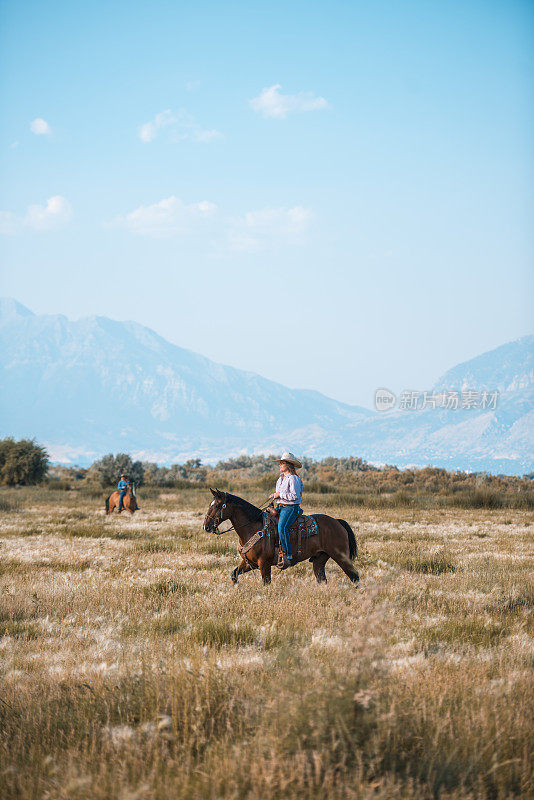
{"x":107,"y":504}
{"x":353,"y":547}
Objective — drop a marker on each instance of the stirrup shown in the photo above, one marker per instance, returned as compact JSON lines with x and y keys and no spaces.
{"x":285,"y":562}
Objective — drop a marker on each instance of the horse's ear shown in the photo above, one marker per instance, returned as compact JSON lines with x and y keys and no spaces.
{"x":213,"y":493}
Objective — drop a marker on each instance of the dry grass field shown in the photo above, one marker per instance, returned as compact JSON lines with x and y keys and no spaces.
{"x":132,"y":668}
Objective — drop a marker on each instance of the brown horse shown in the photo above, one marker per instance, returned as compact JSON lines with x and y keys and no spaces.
{"x":334,"y":539}
{"x":130,"y":500}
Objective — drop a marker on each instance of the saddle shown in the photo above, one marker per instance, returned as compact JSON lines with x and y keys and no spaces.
{"x":303,"y":527}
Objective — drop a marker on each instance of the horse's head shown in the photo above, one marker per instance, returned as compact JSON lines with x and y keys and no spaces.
{"x":217,"y":512}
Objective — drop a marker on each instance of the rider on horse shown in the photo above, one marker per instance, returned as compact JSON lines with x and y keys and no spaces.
{"x":122,"y":486}
{"x":289,"y":493}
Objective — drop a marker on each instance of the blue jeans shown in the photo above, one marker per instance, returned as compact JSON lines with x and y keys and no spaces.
{"x":121,"y":499}
{"x":288,"y":515}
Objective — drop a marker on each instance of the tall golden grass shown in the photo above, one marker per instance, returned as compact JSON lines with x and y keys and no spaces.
{"x":131,"y":667}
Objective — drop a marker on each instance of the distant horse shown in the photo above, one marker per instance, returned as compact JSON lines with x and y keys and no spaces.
{"x":130,"y":500}
{"x":334,"y":539}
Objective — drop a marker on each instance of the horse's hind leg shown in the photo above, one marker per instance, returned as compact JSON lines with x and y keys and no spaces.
{"x":318,"y":567}
{"x":345,"y":563}
{"x":111,"y":503}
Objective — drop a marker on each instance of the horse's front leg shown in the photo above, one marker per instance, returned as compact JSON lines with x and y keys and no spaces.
{"x":265,"y":570}
{"x":240,"y":569}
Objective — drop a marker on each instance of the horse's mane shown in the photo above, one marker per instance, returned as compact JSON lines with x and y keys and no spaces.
{"x":252,"y":512}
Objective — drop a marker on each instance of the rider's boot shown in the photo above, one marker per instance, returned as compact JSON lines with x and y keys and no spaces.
{"x":285,"y":562}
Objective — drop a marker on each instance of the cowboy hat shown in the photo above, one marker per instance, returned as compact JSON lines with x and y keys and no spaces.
{"x":290,"y":458}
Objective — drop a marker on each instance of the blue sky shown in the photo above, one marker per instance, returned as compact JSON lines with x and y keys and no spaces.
{"x":335,"y":195}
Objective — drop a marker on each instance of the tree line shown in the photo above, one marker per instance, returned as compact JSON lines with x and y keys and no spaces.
{"x":25,"y":463}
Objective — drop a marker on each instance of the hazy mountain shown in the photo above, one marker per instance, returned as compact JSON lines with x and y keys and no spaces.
{"x":508,"y":368}
{"x":499,"y":439}
{"x":94,"y":386}
{"x":97,"y":385}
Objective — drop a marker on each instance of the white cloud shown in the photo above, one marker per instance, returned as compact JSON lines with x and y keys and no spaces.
{"x":272,"y":103}
{"x":250,"y":232}
{"x":206,"y":136}
{"x":147,"y":132}
{"x":54,"y":214}
{"x":181,"y":125}
{"x":292,"y":220}
{"x":40,"y":127}
{"x":51,"y":216}
{"x":169,"y":217}
{"x":190,"y":86}
{"x":257,"y":230}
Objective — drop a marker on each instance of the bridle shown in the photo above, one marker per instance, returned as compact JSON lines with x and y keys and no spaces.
{"x":218,"y":522}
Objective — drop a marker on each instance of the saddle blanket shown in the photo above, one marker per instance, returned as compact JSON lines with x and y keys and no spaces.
{"x":303,"y":526}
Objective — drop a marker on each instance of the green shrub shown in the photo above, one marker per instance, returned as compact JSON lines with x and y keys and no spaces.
{"x":109,"y":468}
{"x":22,"y":463}
{"x":58,"y":484}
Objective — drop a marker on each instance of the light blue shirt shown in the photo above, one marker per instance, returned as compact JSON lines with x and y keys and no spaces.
{"x":290,"y":488}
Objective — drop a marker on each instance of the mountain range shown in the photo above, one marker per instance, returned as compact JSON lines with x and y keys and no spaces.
{"x":96,"y":385}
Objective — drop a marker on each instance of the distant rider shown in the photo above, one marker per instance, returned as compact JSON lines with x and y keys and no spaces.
{"x":122,"y":486}
{"x":289,"y":493}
